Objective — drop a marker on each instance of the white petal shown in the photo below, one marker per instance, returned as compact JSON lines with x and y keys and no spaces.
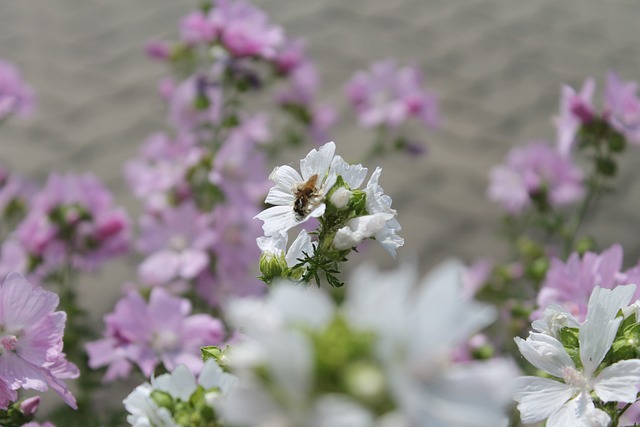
{"x":286,"y":178}
{"x":213,"y":376}
{"x":573,"y":415}
{"x":279,"y":197}
{"x":353,"y":175}
{"x":290,"y":362}
{"x":180,"y":384}
{"x":618,"y":381}
{"x":275,"y":244}
{"x":605,"y":303}
{"x":333,"y":410}
{"x":318,"y":161}
{"x":546,"y":353}
{"x":300,"y":245}
{"x":276,"y":219}
{"x":300,"y":305}
{"x":599,"y":328}
{"x":538,"y":398}
{"x":317,"y":212}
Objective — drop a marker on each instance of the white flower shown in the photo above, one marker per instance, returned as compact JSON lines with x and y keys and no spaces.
{"x":554,"y":318}
{"x":144,"y":412}
{"x":340,"y":198}
{"x":361,"y":228}
{"x":417,"y":328}
{"x":276,"y":245}
{"x":296,"y":198}
{"x":569,"y":403}
{"x":378,"y":202}
{"x":180,"y":385}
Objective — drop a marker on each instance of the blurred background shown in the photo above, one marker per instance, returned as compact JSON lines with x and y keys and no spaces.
{"x":497,"y":66}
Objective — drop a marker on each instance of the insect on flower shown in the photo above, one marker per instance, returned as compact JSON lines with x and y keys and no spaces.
{"x":306,"y":194}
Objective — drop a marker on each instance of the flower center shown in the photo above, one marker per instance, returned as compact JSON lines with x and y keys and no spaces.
{"x":8,"y":343}
{"x":165,"y":341}
{"x":575,"y":378}
{"x":178,"y":242}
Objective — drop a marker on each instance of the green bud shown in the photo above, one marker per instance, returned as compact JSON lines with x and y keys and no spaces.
{"x":358,"y":203}
{"x":585,"y":244}
{"x":162,"y":399}
{"x":529,"y":249}
{"x":272,"y":266}
{"x":365,"y":381}
{"x":538,"y":268}
{"x":483,"y":352}
{"x":201,"y":102}
{"x":216,"y":353}
{"x":606,"y":166}
{"x":617,"y":142}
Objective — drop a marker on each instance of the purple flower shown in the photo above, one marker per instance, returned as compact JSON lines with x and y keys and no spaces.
{"x":569,"y":284}
{"x":622,"y":107}
{"x":239,"y":167}
{"x":245,"y":30}
{"x":195,"y":28}
{"x":575,"y":110}
{"x":387,"y":95}
{"x":178,"y":244}
{"x":532,"y":171}
{"x":158,"y":174}
{"x":31,"y":354}
{"x":195,"y":103}
{"x":290,"y":56}
{"x":156,"y":49}
{"x":73,"y":218}
{"x":15,"y":96}
{"x":148,"y":334}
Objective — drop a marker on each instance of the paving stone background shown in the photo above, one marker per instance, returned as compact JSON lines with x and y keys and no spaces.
{"x":496,"y":64}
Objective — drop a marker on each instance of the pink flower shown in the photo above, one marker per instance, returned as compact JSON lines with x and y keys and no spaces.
{"x":35,"y":424}
{"x":570,"y":283}
{"x":575,"y":110}
{"x":290,"y":56}
{"x":178,"y":242}
{"x":622,"y":107}
{"x":147,"y":334}
{"x":73,"y":218}
{"x":31,"y":354}
{"x":158,"y":174}
{"x":387,"y":95}
{"x":156,"y":49}
{"x":533,"y":171}
{"x":195,"y":103}
{"x":196,"y":28}
{"x":245,"y":30}
{"x":15,"y":96}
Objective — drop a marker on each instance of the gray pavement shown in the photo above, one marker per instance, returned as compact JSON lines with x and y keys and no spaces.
{"x":496,"y":64}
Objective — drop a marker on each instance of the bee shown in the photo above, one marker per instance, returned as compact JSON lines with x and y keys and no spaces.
{"x":306,"y":195}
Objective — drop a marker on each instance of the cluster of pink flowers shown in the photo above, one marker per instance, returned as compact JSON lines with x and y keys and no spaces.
{"x":535,"y":173}
{"x":72,"y":220}
{"x":570,"y":284}
{"x":387,"y":95}
{"x":621,"y":110}
{"x":31,"y":354}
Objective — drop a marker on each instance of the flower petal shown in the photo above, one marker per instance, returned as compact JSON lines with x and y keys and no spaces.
{"x":618,"y":382}
{"x":276,"y":219}
{"x":546,"y":353}
{"x":318,"y":161}
{"x":538,"y":398}
{"x":579,"y":412}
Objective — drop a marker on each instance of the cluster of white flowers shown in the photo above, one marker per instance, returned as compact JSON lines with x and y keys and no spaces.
{"x":329,"y":190}
{"x":379,"y":359}
{"x":574,"y":353}
{"x":177,"y":399}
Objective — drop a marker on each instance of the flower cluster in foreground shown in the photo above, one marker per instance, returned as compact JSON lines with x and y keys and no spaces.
{"x":378,"y":359}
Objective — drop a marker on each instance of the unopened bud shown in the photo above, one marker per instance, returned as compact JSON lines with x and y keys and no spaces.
{"x":340,"y":198}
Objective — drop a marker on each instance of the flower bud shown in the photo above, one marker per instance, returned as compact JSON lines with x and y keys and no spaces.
{"x":30,"y":406}
{"x":340,"y":198}
{"x":272,"y":266}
